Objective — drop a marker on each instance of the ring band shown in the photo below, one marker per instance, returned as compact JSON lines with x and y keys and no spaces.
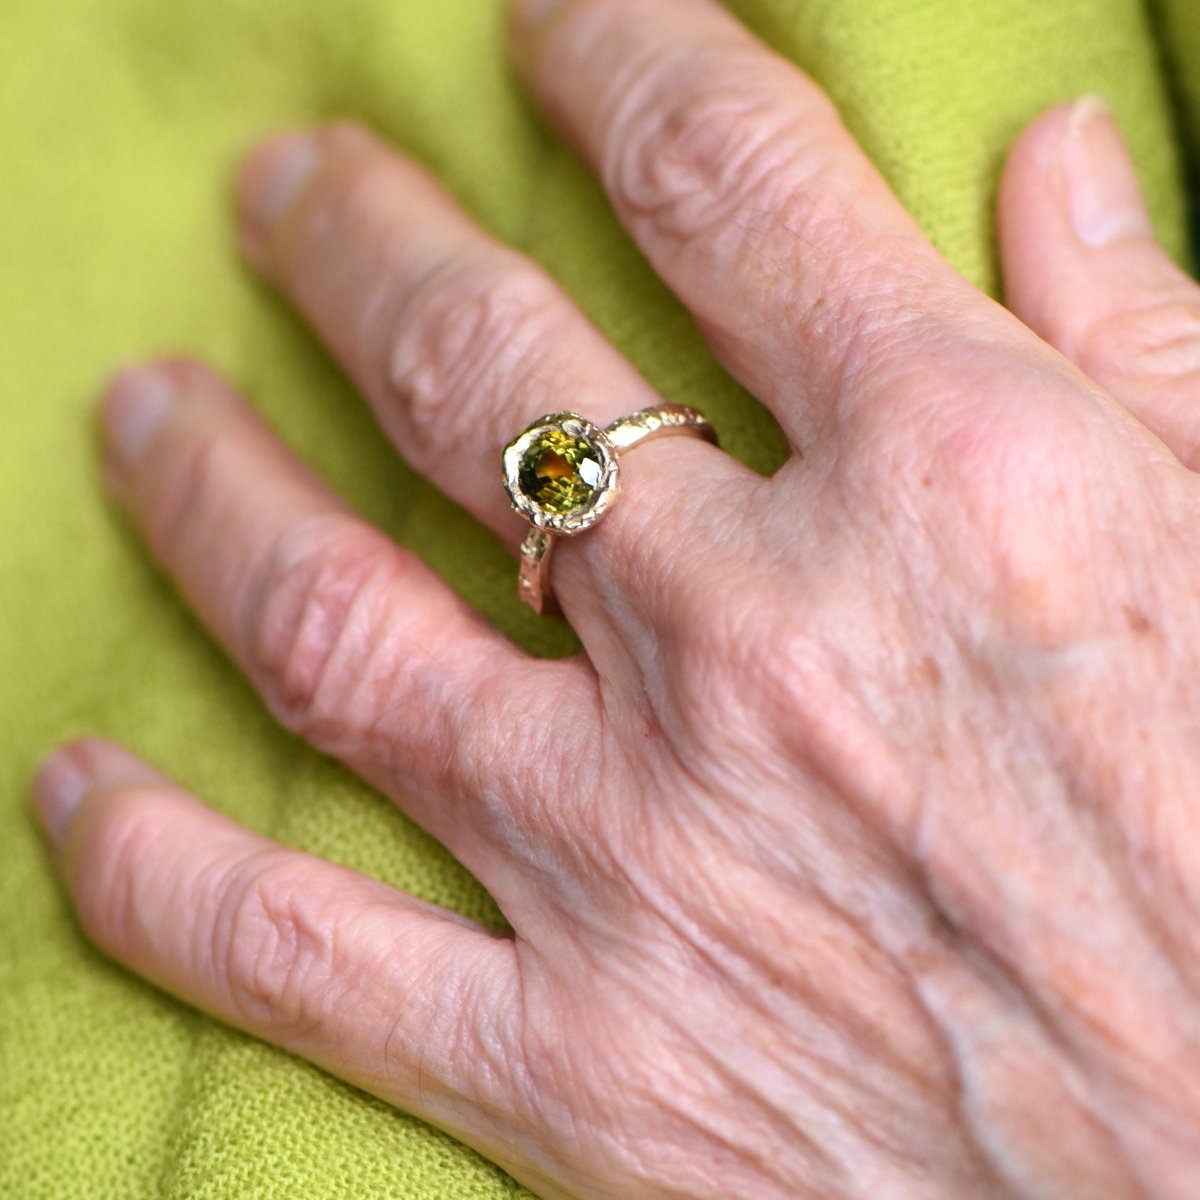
{"x":562,"y":474}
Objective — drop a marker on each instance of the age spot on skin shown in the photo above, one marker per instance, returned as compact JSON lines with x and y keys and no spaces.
{"x":1138,"y":621}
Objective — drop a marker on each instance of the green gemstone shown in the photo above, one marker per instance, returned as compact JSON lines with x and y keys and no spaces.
{"x":559,"y":473}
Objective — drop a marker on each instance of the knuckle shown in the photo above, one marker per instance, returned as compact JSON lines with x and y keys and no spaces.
{"x":1028,"y":512}
{"x":790,"y":704}
{"x":782,"y":674}
{"x":695,"y":153}
{"x":464,"y":343}
{"x":315,"y":629}
{"x":278,"y":944}
{"x":1159,"y":340}
{"x":1005,"y":472}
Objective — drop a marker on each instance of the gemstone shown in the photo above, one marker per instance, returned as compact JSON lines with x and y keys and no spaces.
{"x":561,"y":474}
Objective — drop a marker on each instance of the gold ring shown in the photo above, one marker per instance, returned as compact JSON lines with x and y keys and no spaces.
{"x":562,"y":474}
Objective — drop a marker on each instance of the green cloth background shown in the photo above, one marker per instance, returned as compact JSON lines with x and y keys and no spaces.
{"x":119,"y":123}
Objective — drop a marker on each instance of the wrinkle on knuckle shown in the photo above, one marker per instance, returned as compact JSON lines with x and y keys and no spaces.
{"x":280,"y":947}
{"x":463,"y":345}
{"x":319,"y":620}
{"x":693,"y":154}
{"x":1152,"y":341}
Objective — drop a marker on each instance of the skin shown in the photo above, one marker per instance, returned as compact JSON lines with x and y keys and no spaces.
{"x":858,"y":854}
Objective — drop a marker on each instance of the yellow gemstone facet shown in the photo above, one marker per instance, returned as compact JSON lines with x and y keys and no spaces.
{"x":560,"y":473}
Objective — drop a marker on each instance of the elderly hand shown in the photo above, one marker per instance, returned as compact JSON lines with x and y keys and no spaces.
{"x":858,"y":854}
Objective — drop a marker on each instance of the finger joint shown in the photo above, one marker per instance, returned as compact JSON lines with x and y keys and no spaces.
{"x":280,"y":947}
{"x":696,"y":154}
{"x":463,"y":346}
{"x":1160,"y":340}
{"x":326,"y":633}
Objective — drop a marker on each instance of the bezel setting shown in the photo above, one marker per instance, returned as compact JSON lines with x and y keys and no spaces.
{"x":604,"y":490}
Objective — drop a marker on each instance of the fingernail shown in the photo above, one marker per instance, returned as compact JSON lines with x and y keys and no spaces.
{"x":271,"y":179}
{"x":58,"y":790}
{"x":135,"y":405}
{"x":1103,"y":197}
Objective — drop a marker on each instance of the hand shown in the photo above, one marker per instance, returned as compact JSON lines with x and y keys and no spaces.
{"x":857,"y":856}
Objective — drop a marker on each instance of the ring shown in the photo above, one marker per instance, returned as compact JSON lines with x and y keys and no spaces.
{"x":562,"y":474}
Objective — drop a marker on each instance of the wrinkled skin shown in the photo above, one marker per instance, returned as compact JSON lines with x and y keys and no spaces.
{"x":857,"y":856}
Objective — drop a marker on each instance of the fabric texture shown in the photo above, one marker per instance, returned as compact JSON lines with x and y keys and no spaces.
{"x":119,"y":124}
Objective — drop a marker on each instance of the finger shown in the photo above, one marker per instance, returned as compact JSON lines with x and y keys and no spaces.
{"x":408,"y":1001}
{"x":457,"y":342}
{"x":1082,"y":268}
{"x":737,"y":179}
{"x":354,"y":643}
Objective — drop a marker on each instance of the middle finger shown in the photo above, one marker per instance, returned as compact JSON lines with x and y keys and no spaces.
{"x":736,"y":177}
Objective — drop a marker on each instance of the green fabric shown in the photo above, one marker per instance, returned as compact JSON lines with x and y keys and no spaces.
{"x":119,"y":122}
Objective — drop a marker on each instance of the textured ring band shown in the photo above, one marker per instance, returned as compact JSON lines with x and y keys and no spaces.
{"x":562,"y":473}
